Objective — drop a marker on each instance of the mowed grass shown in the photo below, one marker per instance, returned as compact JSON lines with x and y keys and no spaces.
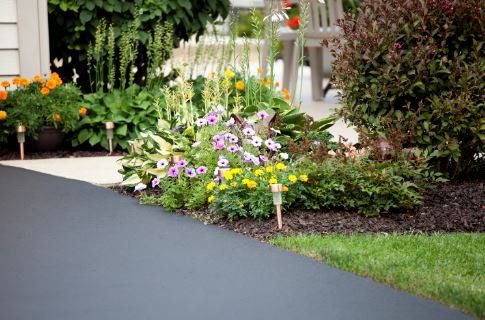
{"x":449,"y":268}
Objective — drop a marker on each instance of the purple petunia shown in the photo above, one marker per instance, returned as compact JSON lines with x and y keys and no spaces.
{"x":256,"y":141}
{"x":255,"y":160}
{"x":223,"y":163}
{"x":219,"y":145}
{"x":263,"y":158}
{"x":173,"y":171}
{"x":248,"y":131}
{"x":230,"y":122}
{"x":182,"y":163}
{"x":155,"y":182}
{"x":232,"y":138}
{"x":271,"y":144}
{"x":201,"y":170}
{"x":262,"y":115}
{"x":190,"y":172}
{"x":247,"y":157}
{"x":212,"y":119}
{"x":233,"y":148}
{"x":218,"y":138}
{"x":200,"y":122}
{"x":162,"y":163}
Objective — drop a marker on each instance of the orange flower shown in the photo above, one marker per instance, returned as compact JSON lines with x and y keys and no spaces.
{"x":268,"y":82}
{"x":51,"y":84}
{"x":16,"y":81}
{"x":24,"y":81}
{"x":58,"y":81}
{"x":57,"y":118}
{"x":44,"y":91}
{"x":276,"y":84}
{"x":240,"y":85}
{"x":55,"y":75}
{"x":83,"y":111}
{"x":3,"y":115}
{"x":294,"y":23}
{"x":213,"y":74}
{"x":5,"y":84}
{"x":38,"y":79}
{"x":3,"y":95}
{"x":286,"y":94}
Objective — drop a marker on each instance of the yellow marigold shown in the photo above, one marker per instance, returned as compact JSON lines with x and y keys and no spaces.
{"x":268,"y":81}
{"x":24,"y":81}
{"x":245,"y":181}
{"x":285,"y":189}
{"x":38,"y":79}
{"x":269,"y":169}
{"x":240,"y":85}
{"x":280,"y":166}
{"x":292,"y":178}
{"x":44,"y":91}
{"x":258,"y":172}
{"x":83,"y":111}
{"x":304,"y":177}
{"x":228,"y":175}
{"x":273,"y":181}
{"x":229,"y":73}
{"x":211,"y":185}
{"x":57,"y":118}
{"x":211,"y":198}
{"x":3,"y":115}
{"x":5,"y":84}
{"x":234,"y":184}
{"x":223,"y":187}
{"x":51,"y":84}
{"x":236,"y":171}
{"x":3,"y":95}
{"x":252,"y":184}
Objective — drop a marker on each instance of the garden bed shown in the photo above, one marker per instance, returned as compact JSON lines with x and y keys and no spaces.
{"x":451,"y":207}
{"x":64,"y":153}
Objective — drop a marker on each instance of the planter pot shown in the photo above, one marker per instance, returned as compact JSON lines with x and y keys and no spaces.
{"x":49,"y":139}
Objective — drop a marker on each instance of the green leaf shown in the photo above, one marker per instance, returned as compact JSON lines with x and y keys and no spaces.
{"x":85,"y":16}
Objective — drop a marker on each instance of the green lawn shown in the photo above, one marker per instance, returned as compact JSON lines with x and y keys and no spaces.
{"x":449,"y":268}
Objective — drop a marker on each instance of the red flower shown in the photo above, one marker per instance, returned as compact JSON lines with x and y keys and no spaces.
{"x":294,"y":23}
{"x":287,"y":4}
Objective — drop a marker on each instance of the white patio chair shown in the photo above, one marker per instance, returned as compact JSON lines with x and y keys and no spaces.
{"x":321,"y":26}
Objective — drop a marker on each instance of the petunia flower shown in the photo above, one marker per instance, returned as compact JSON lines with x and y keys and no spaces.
{"x":223,"y":163}
{"x":263,"y":158}
{"x":247,"y":157}
{"x":256,"y":141}
{"x":190,"y":172}
{"x":218,"y":138}
{"x":255,"y":160}
{"x":248,"y":132}
{"x":262,"y":115}
{"x":230,"y":122}
{"x":200,"y":122}
{"x":201,"y":170}
{"x":140,"y":187}
{"x":233,"y":148}
{"x":173,"y":171}
{"x":155,"y":182}
{"x":162,"y":163}
{"x":219,"y":145}
{"x":182,"y":163}
{"x":212,"y":119}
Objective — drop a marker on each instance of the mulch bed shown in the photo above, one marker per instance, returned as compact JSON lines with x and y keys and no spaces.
{"x":66,"y":153}
{"x":451,"y":207}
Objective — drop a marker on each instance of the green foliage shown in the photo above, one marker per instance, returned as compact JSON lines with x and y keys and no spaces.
{"x":27,"y":106}
{"x":369,"y":187}
{"x":413,"y":71}
{"x":73,"y":23}
{"x":133,"y":111}
{"x":444,"y":267}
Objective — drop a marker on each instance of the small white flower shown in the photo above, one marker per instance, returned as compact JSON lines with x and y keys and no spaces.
{"x":134,"y":70}
{"x":162,"y":163}
{"x":58,"y":62}
{"x":140,"y":187}
{"x":284,"y":156}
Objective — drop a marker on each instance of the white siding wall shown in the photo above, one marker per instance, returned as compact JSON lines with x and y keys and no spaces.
{"x":9,"y":40}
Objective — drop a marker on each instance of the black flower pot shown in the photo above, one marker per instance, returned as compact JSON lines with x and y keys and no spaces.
{"x":49,"y":139}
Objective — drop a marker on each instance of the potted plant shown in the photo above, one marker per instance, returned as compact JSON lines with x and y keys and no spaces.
{"x":45,"y":106}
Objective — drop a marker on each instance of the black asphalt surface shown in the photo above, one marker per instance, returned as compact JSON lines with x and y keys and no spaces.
{"x":70,"y":250}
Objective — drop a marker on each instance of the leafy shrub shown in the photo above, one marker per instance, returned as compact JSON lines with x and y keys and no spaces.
{"x":38,"y":103}
{"x":369,"y":187}
{"x":73,"y":23}
{"x":413,"y":70}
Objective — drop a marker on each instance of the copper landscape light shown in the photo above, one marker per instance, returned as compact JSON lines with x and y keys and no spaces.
{"x":21,"y":140}
{"x":277,"y":190}
{"x":110,"y":134}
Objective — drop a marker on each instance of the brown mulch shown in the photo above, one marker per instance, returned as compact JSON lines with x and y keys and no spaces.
{"x":66,"y":153}
{"x":451,"y":207}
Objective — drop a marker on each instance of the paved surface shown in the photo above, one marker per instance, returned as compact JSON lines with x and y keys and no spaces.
{"x":95,"y":170}
{"x":70,"y":250}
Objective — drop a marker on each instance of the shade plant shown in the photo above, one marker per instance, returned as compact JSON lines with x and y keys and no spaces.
{"x":413,"y":71}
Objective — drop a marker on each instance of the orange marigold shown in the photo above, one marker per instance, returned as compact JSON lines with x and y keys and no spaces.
{"x":16,"y":81}
{"x":57,"y":118}
{"x":44,"y":91}
{"x":83,"y":111}
{"x":5,"y":84}
{"x":58,"y":81}
{"x":3,"y":115}
{"x":24,"y":81}
{"x":38,"y":79}
{"x":3,"y":95}
{"x":240,"y":85}
{"x":51,"y":84}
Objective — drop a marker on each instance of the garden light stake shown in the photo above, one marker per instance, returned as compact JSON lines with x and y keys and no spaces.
{"x":277,"y":190}
{"x":109,"y":134}
{"x":21,"y":140}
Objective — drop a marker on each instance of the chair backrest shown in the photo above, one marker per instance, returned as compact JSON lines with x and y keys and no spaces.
{"x":324,"y":16}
